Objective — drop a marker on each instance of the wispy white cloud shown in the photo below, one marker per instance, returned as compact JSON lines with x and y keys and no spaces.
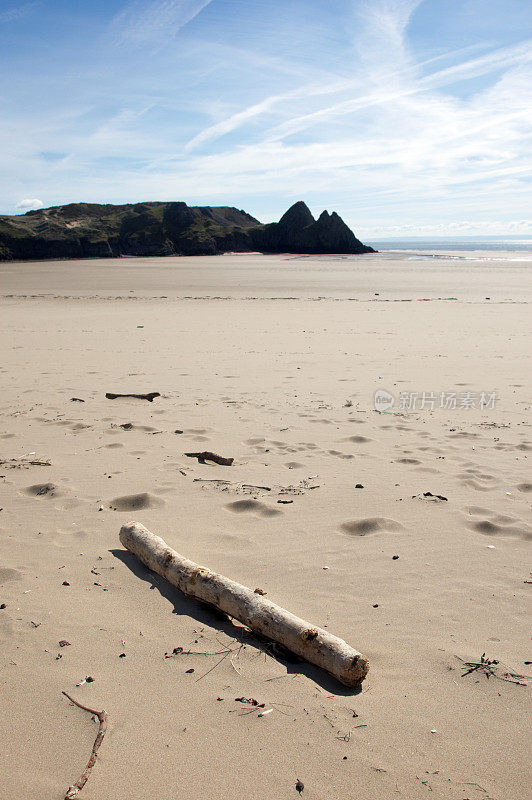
{"x":406,"y":85}
{"x":313,"y":89}
{"x":380,"y":28}
{"x":154,"y":23}
{"x":11,"y":14}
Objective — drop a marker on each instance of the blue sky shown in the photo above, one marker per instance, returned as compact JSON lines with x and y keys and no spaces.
{"x":406,"y":116}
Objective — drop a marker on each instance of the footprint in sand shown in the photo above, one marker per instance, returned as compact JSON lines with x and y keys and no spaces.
{"x":136,"y":502}
{"x":51,"y":491}
{"x":497,"y":524}
{"x":358,"y":439}
{"x":361,"y":527}
{"x":293,"y":465}
{"x":477,"y":511}
{"x":252,"y":507}
{"x":43,"y":490}
{"x":525,"y":487}
{"x":408,"y":461}
{"x":490,"y":528}
{"x":480,"y":481}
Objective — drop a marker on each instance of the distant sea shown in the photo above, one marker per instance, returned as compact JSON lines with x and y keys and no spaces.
{"x":466,"y":243}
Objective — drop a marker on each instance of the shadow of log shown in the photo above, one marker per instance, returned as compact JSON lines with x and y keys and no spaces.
{"x":213,"y":618}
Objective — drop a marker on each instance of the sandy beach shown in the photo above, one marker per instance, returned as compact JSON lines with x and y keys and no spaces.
{"x":274,"y":361}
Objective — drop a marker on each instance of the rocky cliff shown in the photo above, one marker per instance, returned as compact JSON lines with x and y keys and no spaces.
{"x":91,"y":230}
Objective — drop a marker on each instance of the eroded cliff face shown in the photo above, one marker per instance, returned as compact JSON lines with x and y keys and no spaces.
{"x":91,"y":230}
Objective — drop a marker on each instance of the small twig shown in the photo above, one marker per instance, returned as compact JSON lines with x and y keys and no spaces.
{"x":487,"y":667}
{"x":478,"y":786}
{"x":210,"y":480}
{"x":509,"y":680}
{"x":81,"y":781}
{"x":345,"y":738}
{"x":216,"y":665}
{"x":178,"y":651}
{"x":235,"y":669}
{"x":21,"y":462}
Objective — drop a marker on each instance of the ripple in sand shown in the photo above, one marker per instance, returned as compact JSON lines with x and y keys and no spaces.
{"x":361,"y":527}
{"x":7,"y":574}
{"x":136,"y":502}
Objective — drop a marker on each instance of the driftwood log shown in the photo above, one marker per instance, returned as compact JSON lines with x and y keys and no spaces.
{"x":149,"y":396}
{"x":261,"y":615}
{"x":206,"y":455}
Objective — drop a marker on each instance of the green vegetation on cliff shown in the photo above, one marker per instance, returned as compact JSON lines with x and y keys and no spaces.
{"x":92,"y":230}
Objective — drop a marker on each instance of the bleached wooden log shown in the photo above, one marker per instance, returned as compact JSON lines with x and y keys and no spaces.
{"x":261,"y":615}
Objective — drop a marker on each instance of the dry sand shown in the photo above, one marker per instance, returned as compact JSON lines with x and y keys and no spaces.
{"x":251,"y":364}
